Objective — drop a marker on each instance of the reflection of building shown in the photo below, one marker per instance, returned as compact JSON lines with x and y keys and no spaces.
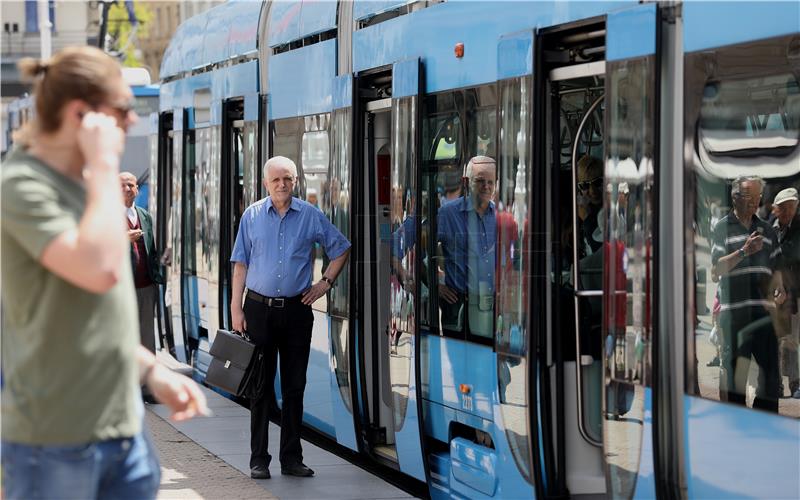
{"x":165,"y":18}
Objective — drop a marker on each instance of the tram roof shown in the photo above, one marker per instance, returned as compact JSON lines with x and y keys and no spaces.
{"x":224,"y":32}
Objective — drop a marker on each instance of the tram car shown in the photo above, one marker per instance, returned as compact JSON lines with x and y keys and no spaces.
{"x":565,"y":348}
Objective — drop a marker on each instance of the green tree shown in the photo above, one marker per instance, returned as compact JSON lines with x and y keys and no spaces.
{"x":124,"y":37}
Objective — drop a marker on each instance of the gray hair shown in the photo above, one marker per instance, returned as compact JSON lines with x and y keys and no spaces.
{"x":736,"y":187}
{"x":477,"y":160}
{"x":279,"y":161}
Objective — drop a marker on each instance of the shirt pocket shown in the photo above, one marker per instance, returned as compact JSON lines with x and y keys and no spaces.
{"x":258,"y":247}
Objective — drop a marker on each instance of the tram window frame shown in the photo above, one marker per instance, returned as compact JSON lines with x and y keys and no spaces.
{"x":461,"y":104}
{"x":737,"y":63}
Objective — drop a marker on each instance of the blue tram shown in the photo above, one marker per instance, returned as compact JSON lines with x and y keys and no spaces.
{"x":577,"y":360}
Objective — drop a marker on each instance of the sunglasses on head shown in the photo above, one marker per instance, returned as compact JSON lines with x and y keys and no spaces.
{"x":597,"y":182}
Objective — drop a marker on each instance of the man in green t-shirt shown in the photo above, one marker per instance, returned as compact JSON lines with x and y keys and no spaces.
{"x":72,"y":362}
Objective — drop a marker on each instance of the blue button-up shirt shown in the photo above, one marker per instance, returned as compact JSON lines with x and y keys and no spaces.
{"x":278,"y":250}
{"x":468,"y":243}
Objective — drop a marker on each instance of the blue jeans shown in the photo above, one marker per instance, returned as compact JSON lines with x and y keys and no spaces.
{"x":117,"y":468}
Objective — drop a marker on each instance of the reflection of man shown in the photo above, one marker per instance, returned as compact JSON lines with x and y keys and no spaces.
{"x":144,"y":259}
{"x":787,"y":225}
{"x":743,"y":255}
{"x":311,"y":197}
{"x":272,"y":257}
{"x":467,"y":234}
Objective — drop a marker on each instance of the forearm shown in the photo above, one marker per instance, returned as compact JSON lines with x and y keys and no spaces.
{"x":336,"y":265}
{"x":726,"y":263}
{"x":102,"y":244}
{"x":237,"y":285}
{"x":146,"y":361}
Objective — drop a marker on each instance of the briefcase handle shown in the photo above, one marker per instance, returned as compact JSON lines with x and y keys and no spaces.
{"x":244,"y":335}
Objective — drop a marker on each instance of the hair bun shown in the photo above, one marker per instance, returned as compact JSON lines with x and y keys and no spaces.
{"x":30,"y":68}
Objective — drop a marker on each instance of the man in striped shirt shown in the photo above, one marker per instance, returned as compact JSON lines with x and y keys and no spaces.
{"x":743,"y":254}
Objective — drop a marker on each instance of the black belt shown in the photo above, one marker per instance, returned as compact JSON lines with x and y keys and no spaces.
{"x":277,"y":302}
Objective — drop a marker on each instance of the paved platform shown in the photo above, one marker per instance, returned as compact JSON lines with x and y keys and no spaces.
{"x":208,"y":457}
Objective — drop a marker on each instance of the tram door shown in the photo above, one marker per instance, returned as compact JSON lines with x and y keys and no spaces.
{"x":162,"y":194}
{"x":599,"y":142}
{"x":232,"y":201}
{"x":387,"y":285}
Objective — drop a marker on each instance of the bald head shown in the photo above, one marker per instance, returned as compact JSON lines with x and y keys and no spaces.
{"x":130,"y":188}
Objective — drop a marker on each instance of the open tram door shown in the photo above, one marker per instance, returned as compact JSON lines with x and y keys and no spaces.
{"x":161,"y":193}
{"x":595,"y":84}
{"x":385,"y":354}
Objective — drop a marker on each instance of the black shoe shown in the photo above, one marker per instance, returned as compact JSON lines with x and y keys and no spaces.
{"x":714,"y":362}
{"x":298,"y":470}
{"x":259,"y":472}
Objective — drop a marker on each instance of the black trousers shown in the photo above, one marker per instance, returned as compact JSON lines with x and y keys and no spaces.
{"x":285,"y":331}
{"x":748,"y":333}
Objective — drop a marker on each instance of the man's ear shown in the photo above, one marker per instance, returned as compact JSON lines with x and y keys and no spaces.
{"x":74,"y":112}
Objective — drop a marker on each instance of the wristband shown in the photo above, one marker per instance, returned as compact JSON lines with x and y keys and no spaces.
{"x":328,"y":281}
{"x":742,"y":252}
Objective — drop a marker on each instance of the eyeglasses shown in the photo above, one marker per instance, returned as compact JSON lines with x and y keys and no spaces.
{"x":747,"y":198}
{"x":123,"y":108}
{"x":597,"y":183}
{"x":483,"y":182}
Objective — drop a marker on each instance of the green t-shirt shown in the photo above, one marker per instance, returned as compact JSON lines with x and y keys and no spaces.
{"x":70,"y":374}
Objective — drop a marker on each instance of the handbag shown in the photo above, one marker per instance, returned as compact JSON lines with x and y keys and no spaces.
{"x":237,"y":365}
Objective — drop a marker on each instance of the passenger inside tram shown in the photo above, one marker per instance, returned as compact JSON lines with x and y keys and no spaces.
{"x":590,"y":201}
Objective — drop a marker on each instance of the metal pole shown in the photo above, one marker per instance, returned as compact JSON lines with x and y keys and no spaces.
{"x":103,"y":5}
{"x":45,"y":29}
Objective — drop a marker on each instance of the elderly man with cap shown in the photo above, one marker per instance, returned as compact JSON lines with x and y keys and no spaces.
{"x":787,"y":226}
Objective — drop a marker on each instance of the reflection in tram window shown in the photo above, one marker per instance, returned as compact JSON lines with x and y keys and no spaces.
{"x":512,"y":265}
{"x":746,"y":163}
{"x":627,"y":253}
{"x":402,"y":308}
{"x":460,"y":258}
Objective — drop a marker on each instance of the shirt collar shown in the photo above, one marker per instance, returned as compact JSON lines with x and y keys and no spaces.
{"x":466,"y":205}
{"x":294,"y":205}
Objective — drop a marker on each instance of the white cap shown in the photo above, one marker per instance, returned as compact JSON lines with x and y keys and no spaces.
{"x":788,"y":194}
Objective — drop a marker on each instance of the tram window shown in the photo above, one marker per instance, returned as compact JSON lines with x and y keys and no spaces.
{"x":744,"y":321}
{"x":250,"y":166}
{"x":144,"y":105}
{"x":314,"y":168}
{"x":287,"y":140}
{"x":459,"y":228}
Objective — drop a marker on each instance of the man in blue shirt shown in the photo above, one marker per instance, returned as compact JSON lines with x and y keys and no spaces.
{"x":272,"y":258}
{"x":467,"y":236}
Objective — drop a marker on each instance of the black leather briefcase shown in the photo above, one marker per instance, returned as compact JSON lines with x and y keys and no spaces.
{"x":236,"y":363}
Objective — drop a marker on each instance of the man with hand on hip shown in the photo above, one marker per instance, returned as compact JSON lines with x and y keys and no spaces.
{"x":272,"y":258}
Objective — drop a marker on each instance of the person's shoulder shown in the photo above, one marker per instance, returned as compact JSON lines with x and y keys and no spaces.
{"x":24,"y":173}
{"x":255,"y":208}
{"x":143,"y":211}
{"x":766,"y":226}
{"x":19,"y":164}
{"x":450,"y":206}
